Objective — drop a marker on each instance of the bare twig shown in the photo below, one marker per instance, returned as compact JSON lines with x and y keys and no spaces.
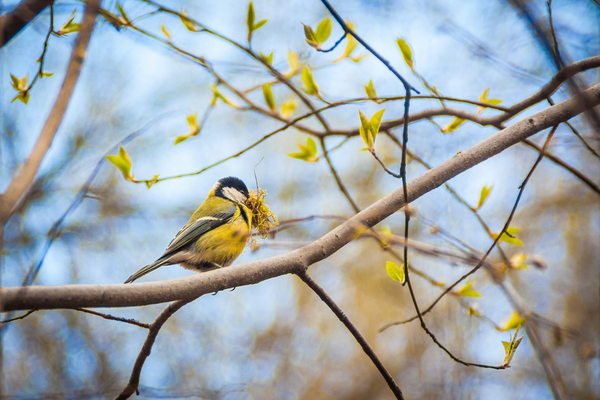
{"x":552,"y":32}
{"x":577,"y":134}
{"x":340,"y":40}
{"x":506,"y":225}
{"x":22,"y":179}
{"x":353,"y":330}
{"x":337,"y":178}
{"x":27,"y":314}
{"x":558,"y":161}
{"x":134,"y":380}
{"x":113,"y":318}
{"x":42,"y":58}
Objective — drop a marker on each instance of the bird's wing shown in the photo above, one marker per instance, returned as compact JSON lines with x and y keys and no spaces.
{"x":188,"y":234}
{"x":193,"y":230}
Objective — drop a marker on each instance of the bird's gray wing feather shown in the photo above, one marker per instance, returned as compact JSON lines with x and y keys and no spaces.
{"x":192,"y":231}
{"x":188,"y":234}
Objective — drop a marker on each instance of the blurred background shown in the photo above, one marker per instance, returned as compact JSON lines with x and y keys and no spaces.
{"x":277,"y":340}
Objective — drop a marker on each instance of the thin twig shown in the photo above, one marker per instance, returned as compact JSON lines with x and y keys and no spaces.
{"x":353,"y":330}
{"x":479,"y":265}
{"x":506,"y":225}
{"x":552,"y":32}
{"x":134,"y":380}
{"x":113,"y":318}
{"x":348,"y":30}
{"x":42,"y":58}
{"x":558,"y":161}
{"x":585,"y":143}
{"x":453,"y":192}
{"x":28,"y":313}
{"x":337,"y":178}
{"x":335,"y":45}
{"x":576,"y":133}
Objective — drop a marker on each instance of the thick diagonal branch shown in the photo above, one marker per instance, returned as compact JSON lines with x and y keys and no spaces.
{"x":40,"y":297}
{"x":23,"y":177}
{"x":13,"y":21}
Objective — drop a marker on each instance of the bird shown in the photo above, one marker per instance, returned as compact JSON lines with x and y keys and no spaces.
{"x":215,"y":235}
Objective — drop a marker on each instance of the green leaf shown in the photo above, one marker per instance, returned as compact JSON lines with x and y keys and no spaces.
{"x":115,"y":21}
{"x":192,"y":121}
{"x":310,"y":87}
{"x":46,"y":74}
{"x":68,"y":27}
{"x":180,"y":139}
{"x":517,"y":261}
{"x":394,"y":271}
{"x":351,"y":45}
{"x":268,"y":59}
{"x":359,"y":58}
{"x":294,"y":61}
{"x":376,"y":122}
{"x":16,"y":82}
{"x":188,"y":23}
{"x":483,"y":99}
{"x":217,"y":93}
{"x":510,"y":236}
{"x":125,"y":18}
{"x":123,"y":155}
{"x":260,"y":24}
{"x":370,"y":127}
{"x":468,"y":291}
{"x":164,"y":30}
{"x":454,"y":125}
{"x":23,"y":97}
{"x":307,"y":153}
{"x":310,"y":37}
{"x":370,"y":90}
{"x":250,"y":19}
{"x":194,"y":128}
{"x":365,"y":130}
{"x":269,"y":99}
{"x":288,"y":107}
{"x":323,"y":31}
{"x":511,"y":347}
{"x":123,"y":162}
{"x":485,"y":192}
{"x":152,"y":181}
{"x":311,"y":146}
{"x":406,"y":52}
{"x":515,"y":320}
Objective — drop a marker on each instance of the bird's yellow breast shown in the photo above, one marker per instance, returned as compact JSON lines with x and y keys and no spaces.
{"x":225,"y":243}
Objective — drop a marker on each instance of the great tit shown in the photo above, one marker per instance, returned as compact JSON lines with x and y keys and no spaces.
{"x":215,"y":235}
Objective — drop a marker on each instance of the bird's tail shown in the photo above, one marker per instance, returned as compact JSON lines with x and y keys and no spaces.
{"x":147,"y":269}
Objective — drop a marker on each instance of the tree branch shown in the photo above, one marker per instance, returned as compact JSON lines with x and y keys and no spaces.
{"x":354,"y":331}
{"x":13,"y":21}
{"x":71,"y":296}
{"x":21,"y":180}
{"x":134,"y":380}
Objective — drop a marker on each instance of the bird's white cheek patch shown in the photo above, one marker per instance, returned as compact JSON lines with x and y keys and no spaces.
{"x":234,"y":195}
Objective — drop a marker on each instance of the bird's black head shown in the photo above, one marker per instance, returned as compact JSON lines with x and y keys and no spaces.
{"x":231,"y":188}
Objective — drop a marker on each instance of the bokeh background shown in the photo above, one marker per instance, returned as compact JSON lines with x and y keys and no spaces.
{"x":277,"y":340}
